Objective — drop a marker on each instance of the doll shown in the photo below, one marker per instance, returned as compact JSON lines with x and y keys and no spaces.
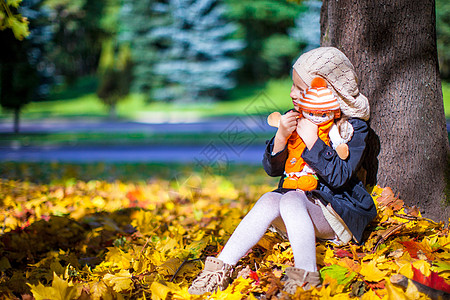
{"x":320,"y":106}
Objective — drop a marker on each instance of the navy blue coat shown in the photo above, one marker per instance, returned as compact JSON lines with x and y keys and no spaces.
{"x":338,"y":182}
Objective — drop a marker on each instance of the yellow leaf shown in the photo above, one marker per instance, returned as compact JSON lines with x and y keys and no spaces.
{"x":97,"y":290}
{"x":40,"y":292}
{"x":423,"y":266}
{"x":181,"y":294}
{"x":170,"y":266}
{"x":372,"y":273}
{"x":370,"y":295}
{"x":159,"y":291}
{"x":394,"y":292}
{"x":60,"y":290}
{"x":405,"y":268}
{"x":411,"y":291}
{"x":120,"y":281}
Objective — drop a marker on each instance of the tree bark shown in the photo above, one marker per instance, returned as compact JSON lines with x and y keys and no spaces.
{"x":392,"y":45}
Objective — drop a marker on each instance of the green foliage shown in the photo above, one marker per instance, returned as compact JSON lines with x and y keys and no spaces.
{"x":278,"y":51}
{"x":115,"y":74}
{"x":12,"y":20}
{"x":78,"y":36}
{"x":25,"y":73}
{"x":73,"y":102}
{"x":446,"y":96}
{"x":443,"y":36}
{"x":259,"y":20}
{"x":137,"y":20}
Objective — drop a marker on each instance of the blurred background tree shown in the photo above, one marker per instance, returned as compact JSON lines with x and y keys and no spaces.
{"x":138,"y":20}
{"x":197,"y":62}
{"x":78,"y":35}
{"x":307,"y":26}
{"x":114,"y":75}
{"x":443,"y":37}
{"x":264,"y":26}
{"x":25,"y":71}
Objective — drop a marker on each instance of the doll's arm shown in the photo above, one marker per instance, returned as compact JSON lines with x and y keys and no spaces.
{"x":327,"y":164}
{"x":339,"y":140}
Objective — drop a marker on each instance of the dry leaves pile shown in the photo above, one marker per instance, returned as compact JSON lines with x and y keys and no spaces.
{"x":146,"y":240}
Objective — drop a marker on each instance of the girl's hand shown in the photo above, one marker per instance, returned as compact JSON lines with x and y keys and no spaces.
{"x":308,"y":132}
{"x":288,"y":123}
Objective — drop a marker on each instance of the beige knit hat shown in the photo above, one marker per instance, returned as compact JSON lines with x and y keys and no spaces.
{"x":318,"y":98}
{"x":338,"y":71}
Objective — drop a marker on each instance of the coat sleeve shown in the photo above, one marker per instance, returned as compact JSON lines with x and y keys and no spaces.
{"x":326,"y":162}
{"x":274,"y":164}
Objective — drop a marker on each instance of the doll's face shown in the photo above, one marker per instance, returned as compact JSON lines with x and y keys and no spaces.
{"x":299,"y":87}
{"x":318,"y":118}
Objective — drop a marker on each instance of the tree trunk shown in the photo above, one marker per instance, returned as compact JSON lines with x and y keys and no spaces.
{"x":392,"y":45}
{"x":16,"y":119}
{"x":113,"y":111}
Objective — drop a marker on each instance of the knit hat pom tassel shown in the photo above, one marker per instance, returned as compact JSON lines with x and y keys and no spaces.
{"x":318,"y":82}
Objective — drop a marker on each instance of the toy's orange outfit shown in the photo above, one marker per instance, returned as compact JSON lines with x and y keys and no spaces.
{"x":295,"y":178}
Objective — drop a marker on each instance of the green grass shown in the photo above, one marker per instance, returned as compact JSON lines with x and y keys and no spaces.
{"x":80,"y":100}
{"x":120,"y":138}
{"x":446,"y":96}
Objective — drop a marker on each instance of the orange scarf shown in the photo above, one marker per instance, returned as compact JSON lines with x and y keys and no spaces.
{"x":295,"y":162}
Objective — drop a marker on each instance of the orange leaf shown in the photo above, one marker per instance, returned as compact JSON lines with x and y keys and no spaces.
{"x":415,"y":248}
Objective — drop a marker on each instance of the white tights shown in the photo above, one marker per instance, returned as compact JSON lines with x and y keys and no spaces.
{"x":293,"y":213}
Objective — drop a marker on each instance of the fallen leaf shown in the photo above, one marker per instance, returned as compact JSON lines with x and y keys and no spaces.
{"x":372,"y":273}
{"x":433,"y":280}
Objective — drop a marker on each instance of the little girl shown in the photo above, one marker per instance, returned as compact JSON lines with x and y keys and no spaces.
{"x":338,"y":209}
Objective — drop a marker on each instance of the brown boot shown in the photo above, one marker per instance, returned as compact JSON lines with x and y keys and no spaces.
{"x":300,"y":278}
{"x":216,"y":274}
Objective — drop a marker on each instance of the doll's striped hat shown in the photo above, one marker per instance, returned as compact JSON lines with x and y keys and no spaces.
{"x":318,"y":98}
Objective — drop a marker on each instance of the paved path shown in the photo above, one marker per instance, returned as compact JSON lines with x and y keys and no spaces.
{"x":256,"y":124}
{"x":202,"y":155}
{"x":213,"y":153}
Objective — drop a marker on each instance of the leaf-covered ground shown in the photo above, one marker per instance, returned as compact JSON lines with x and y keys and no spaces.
{"x":102,"y":239}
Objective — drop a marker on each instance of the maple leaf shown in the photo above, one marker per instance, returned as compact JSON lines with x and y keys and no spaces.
{"x":97,"y":290}
{"x":394,"y":292}
{"x":372,"y":273}
{"x":415,"y":249}
{"x":192,"y":219}
{"x":60,"y":290}
{"x":120,"y":281}
{"x":433,"y":280}
{"x":342,"y":253}
{"x":342,"y":275}
{"x":159,"y":291}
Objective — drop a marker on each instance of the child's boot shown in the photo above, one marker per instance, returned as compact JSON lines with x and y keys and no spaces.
{"x":216,"y":274}
{"x":300,"y":278}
